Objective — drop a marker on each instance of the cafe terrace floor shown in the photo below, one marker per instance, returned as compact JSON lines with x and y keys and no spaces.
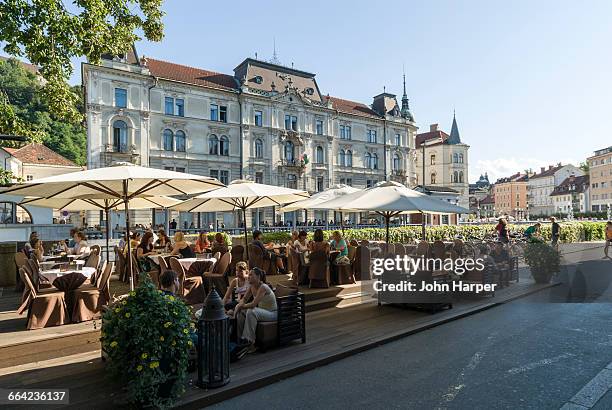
{"x":341,"y":321}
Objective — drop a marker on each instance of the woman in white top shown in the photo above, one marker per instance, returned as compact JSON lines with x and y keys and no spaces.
{"x":262,"y":309}
{"x":301,"y":243}
{"x":80,"y":244}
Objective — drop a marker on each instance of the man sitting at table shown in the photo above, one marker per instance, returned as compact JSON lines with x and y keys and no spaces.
{"x":269,"y":253}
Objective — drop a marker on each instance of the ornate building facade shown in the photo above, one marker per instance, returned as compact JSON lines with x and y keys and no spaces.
{"x":266,"y":121}
{"x":443,"y":158}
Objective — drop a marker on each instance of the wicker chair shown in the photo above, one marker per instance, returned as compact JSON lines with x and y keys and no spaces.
{"x":318,"y":273}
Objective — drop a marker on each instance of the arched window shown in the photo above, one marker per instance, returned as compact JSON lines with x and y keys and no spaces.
{"x":13,"y":213}
{"x":433,"y":159}
{"x":168,"y":140}
{"x":224,"y":146}
{"x":180,"y":141}
{"x":289,"y":151}
{"x":374,"y":161}
{"x":433,"y":178}
{"x":259,"y":148}
{"x":213,"y":145}
{"x":456,"y":158}
{"x":349,"y":158}
{"x":368,"y":160}
{"x":461,"y":176}
{"x":455,"y":177}
{"x":396,"y":162}
{"x":461,"y":158}
{"x":319,"y":155}
{"x":120,"y":130}
{"x":342,"y":158}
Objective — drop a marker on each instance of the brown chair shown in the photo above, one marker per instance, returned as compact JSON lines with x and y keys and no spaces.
{"x":318,"y":274}
{"x":438,"y":250}
{"x":39,"y":282}
{"x":293,"y":263}
{"x":46,"y":308}
{"x":190,"y":289}
{"x":361,"y":264}
{"x":422,"y":249}
{"x":237,"y":256}
{"x":88,"y":301}
{"x":95,"y":250}
{"x":217,"y":255}
{"x":353,"y":242}
{"x":399,"y":249}
{"x":93,"y":261}
{"x":218,"y":277}
{"x":120,"y":268}
{"x":20,"y":260}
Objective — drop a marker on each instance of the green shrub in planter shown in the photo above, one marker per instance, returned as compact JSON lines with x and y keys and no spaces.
{"x":543,"y":261}
{"x":147,"y":337}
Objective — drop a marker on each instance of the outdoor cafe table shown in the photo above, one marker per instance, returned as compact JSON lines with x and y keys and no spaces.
{"x":53,"y":274}
{"x":186,"y":262}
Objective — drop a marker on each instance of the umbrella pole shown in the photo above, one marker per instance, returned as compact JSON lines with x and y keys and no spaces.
{"x":423,"y":226}
{"x":107,"y":229}
{"x":342,"y":223}
{"x":387,"y":217}
{"x":127,"y":234}
{"x":246,"y":235}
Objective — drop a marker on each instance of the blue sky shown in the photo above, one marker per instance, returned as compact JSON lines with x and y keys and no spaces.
{"x":530,"y":80}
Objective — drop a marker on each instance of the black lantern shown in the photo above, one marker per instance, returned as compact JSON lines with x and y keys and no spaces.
{"x":213,"y":343}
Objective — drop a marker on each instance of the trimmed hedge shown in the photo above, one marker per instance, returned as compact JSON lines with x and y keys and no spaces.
{"x":570,"y":232}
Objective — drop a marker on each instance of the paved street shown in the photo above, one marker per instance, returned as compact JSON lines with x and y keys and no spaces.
{"x":526,"y":354}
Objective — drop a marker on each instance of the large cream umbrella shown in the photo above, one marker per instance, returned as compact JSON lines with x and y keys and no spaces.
{"x":122,"y":181}
{"x":333,"y":192}
{"x":241,"y":195}
{"x":106,"y":205}
{"x":390,"y":199}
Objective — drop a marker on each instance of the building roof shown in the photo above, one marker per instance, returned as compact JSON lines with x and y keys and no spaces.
{"x":489,"y":199}
{"x":547,"y":172}
{"x":191,"y":75}
{"x":27,"y":66}
{"x":39,"y":154}
{"x":431,"y":135}
{"x":572,"y":184}
{"x":454,"y":137}
{"x":352,"y":107}
{"x":518,"y":177}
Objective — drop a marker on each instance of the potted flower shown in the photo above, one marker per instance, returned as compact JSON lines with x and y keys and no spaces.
{"x":146,"y":337}
{"x":543,"y":261}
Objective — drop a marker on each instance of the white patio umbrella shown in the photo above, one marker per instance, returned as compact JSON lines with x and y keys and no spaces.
{"x":333,"y":192}
{"x":390,"y":199}
{"x":241,"y":195}
{"x":106,"y":205}
{"x":124,"y":182}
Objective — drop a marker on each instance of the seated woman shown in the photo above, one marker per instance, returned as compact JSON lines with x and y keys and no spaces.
{"x":218,"y":244}
{"x":239,"y":284}
{"x":134,"y":242}
{"x":269,"y":252}
{"x":37,"y":250}
{"x":202,"y":243}
{"x":163,"y":240}
{"x":301,"y":244}
{"x":80,"y":244}
{"x":338,"y":244}
{"x":181,"y":246}
{"x":143,"y":250}
{"x":291,"y":241}
{"x":261,"y":309}
{"x":318,"y":243}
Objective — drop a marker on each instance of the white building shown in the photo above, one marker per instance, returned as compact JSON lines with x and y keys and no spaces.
{"x":572,"y":193}
{"x":541,"y":185}
{"x":266,"y":121}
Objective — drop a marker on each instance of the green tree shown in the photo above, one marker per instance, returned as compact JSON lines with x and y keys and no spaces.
{"x":49,"y":33}
{"x":24,"y":112}
{"x":584,"y":166}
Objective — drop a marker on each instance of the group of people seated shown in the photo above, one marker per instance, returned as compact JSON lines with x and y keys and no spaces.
{"x":299,"y":243}
{"x":77,"y":245}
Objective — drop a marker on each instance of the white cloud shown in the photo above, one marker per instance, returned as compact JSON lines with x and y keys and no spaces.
{"x":504,"y":167}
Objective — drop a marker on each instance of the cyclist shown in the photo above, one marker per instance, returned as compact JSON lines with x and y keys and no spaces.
{"x":502,"y":231}
{"x":533,"y":231}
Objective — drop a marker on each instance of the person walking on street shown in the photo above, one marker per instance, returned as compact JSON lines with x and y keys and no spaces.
{"x":502,"y":231}
{"x":555,"y":231}
{"x":608,"y":234}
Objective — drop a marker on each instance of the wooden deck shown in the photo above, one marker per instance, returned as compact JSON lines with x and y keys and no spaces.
{"x":331,"y":335}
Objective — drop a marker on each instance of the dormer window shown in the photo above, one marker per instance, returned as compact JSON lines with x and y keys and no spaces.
{"x":309,"y":91}
{"x":258,"y":79}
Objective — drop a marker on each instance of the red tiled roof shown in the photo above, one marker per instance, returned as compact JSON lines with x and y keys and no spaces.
{"x":27,"y":66}
{"x":191,"y":75}
{"x":431,"y":135}
{"x":39,"y":154}
{"x":548,"y":172}
{"x":352,"y":107}
{"x":488,"y":200}
{"x":580,"y":183}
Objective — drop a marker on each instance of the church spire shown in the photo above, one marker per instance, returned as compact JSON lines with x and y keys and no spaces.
{"x":454,"y":137}
{"x":405,"y":106}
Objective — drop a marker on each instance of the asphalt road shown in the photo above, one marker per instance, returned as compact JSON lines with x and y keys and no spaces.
{"x":537,"y":352}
